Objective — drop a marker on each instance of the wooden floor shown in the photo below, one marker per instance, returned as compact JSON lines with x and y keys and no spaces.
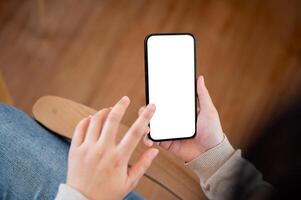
{"x":92,"y":52}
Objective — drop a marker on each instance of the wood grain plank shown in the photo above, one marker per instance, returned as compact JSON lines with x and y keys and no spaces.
{"x":4,"y":93}
{"x":92,"y":52}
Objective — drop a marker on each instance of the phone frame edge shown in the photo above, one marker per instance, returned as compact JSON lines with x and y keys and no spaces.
{"x":146,"y":82}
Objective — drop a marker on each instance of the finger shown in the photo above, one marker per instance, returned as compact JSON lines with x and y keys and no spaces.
{"x":203,"y":94}
{"x":96,"y":124}
{"x":136,"y":132}
{"x":147,"y":141}
{"x":141,"y":166}
{"x":166,"y":145}
{"x":146,"y":130}
{"x":140,"y":110}
{"x":110,"y":128}
{"x":198,"y":105}
{"x":80,"y":132}
{"x":139,"y":113}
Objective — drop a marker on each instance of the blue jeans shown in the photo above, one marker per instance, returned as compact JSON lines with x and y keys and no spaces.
{"x":33,"y":160}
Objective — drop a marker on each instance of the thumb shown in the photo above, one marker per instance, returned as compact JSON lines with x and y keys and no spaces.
{"x":140,"y":167}
{"x":203,"y":94}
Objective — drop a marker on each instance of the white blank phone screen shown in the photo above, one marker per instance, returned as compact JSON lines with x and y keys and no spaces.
{"x":171,"y":85}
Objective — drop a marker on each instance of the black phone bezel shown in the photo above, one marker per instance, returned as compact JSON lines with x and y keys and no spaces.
{"x":146,"y":82}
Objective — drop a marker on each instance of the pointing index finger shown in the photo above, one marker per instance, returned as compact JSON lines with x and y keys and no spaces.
{"x":136,"y":131}
{"x":113,"y":120}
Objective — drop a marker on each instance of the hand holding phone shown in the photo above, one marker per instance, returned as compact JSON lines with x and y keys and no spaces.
{"x":170,"y":65}
{"x":209,"y":129}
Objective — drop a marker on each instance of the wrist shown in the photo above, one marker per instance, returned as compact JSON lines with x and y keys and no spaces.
{"x":204,"y":144}
{"x":213,"y":141}
{"x":207,"y":163}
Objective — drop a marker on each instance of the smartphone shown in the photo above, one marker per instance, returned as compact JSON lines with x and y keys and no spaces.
{"x":170,"y":83}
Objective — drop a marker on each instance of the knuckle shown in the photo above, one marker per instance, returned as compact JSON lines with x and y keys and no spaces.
{"x":146,"y":115}
{"x":82,"y":150}
{"x":100,"y":113}
{"x":97,"y":117}
{"x":137,"y":132}
{"x":118,"y":160}
{"x":76,"y":154}
{"x":113,"y":117}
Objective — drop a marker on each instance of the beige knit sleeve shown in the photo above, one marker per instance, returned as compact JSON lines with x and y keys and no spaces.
{"x":219,"y":169}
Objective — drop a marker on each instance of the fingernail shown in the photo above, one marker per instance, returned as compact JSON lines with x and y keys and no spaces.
{"x":125,"y":98}
{"x":149,"y":142}
{"x":87,"y":118}
{"x":147,"y":130}
{"x":151,"y":107}
{"x":153,"y":154}
{"x":203,"y":80}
